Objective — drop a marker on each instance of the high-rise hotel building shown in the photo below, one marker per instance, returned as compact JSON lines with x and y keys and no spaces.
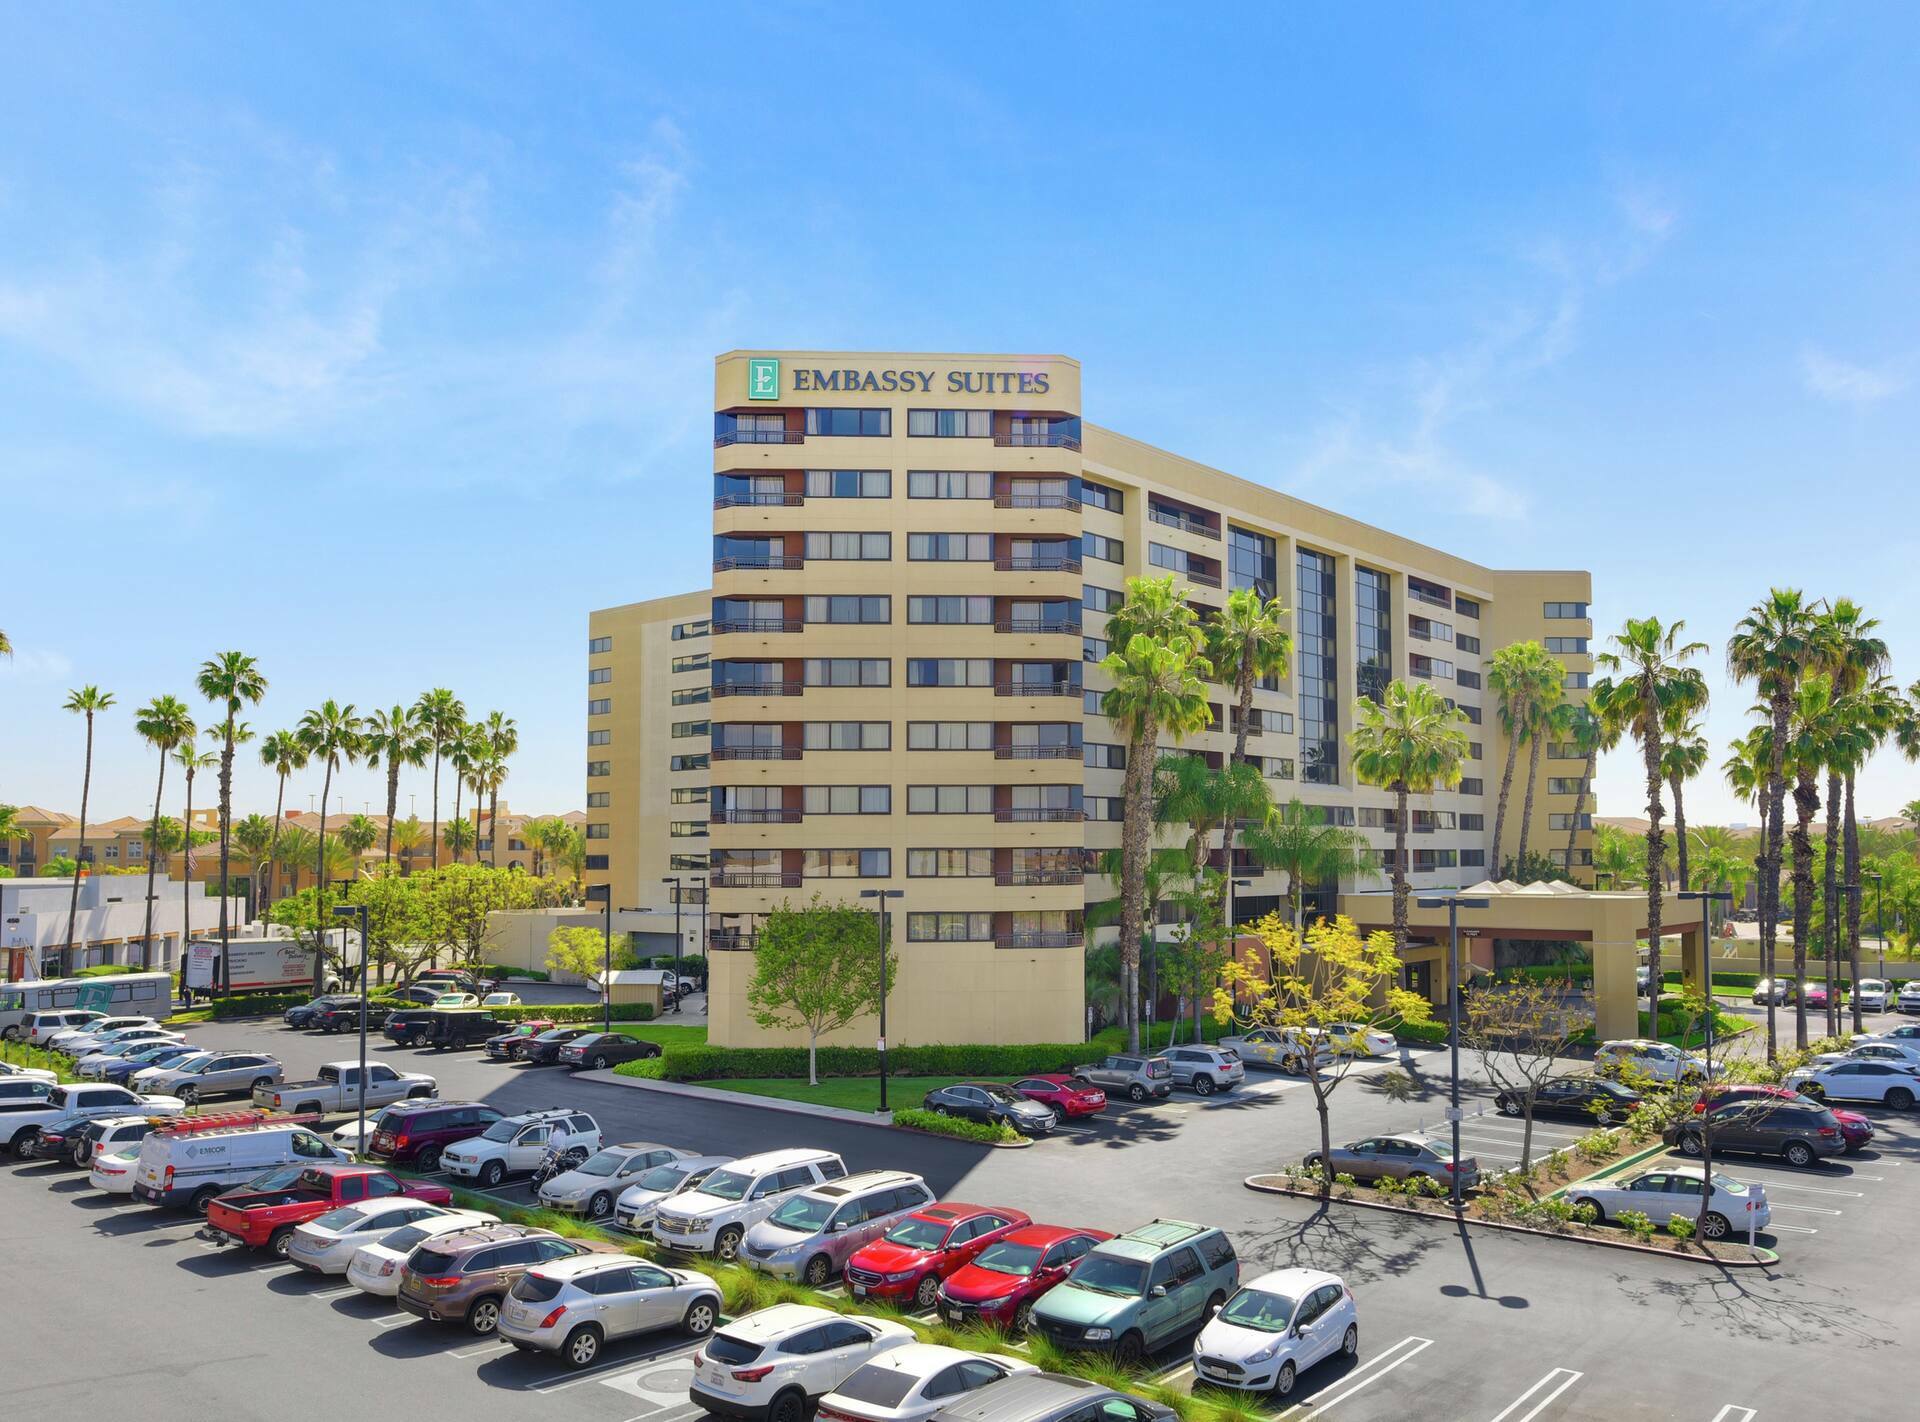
{"x":892,"y":682}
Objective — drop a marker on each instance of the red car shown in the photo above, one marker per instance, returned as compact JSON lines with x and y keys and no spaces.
{"x":266,"y":1219}
{"x":1001,"y":1285}
{"x":1814,"y":994}
{"x":911,"y":1259}
{"x":1067,"y":1096}
{"x":1855,"y":1129}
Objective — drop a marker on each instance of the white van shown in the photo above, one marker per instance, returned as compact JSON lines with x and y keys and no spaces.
{"x":190,"y":1163}
{"x":716,"y":1217}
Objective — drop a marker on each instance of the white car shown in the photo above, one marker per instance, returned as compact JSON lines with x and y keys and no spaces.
{"x":1871,"y":994}
{"x":84,"y":1100}
{"x":1905,"y":1032}
{"x":375,"y":1268}
{"x":778,"y":1361}
{"x":456,"y":999}
{"x":515,"y":1145}
{"x":633,"y":1211}
{"x":27,"y":1073}
{"x":1282,"y":1047}
{"x":40,"y":1028}
{"x":89,"y":1045}
{"x":1892,"y":1084}
{"x":98,"y":1028}
{"x":912,"y":1382}
{"x":591,"y":1187}
{"x":327,"y":1243}
{"x":501,"y":999}
{"x":1274,"y":1329}
{"x":575,"y":1306}
{"x":1359,"y":1039}
{"x":1908,"y":998}
{"x":109,"y":1135}
{"x":94,"y":1064}
{"x":716,"y":1217}
{"x":1639,"y":1056}
{"x":1895,"y":1051}
{"x":114,"y":1173}
{"x":1664,"y":1191}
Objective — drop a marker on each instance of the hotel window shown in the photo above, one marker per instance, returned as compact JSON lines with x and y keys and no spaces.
{"x":950,"y":735}
{"x":949,"y":927}
{"x":1566,"y":785}
{"x":687,"y":829}
{"x":950,"y":424}
{"x":1095,"y":599}
{"x":1105,"y":807}
{"x":1098,"y":545}
{"x":1466,"y":607}
{"x":949,"y":863}
{"x":1559,"y":611}
{"x":950,"y":609}
{"x":596,"y":645}
{"x":686,"y":631}
{"x":749,"y":429}
{"x":950,"y":671}
{"x":687,"y":762}
{"x":599,"y":707}
{"x":1091,"y":702}
{"x":1316,"y":661}
{"x":1430,"y":668}
{"x":949,"y":484}
{"x":1574,"y":681}
{"x":849,"y":671}
{"x":1094,"y":649}
{"x":1095,"y":756}
{"x":694,"y":661}
{"x":1559,"y":750}
{"x":1475,"y":750}
{"x":113,"y":850}
{"x":1433,"y":594}
{"x":1373,"y":607}
{"x":1472,"y":785}
{"x":599,"y":738}
{"x":596,"y":861}
{"x":1583,"y":821}
{"x":1099,"y":496}
{"x":850,"y":547}
{"x":599,"y":831}
{"x":682,"y":729}
{"x":849,"y":483}
{"x":847,"y":799}
{"x":1582,"y":858}
{"x":1473,"y":859}
{"x":1162,"y":556}
{"x":1473,"y":822}
{"x":761,"y":734}
{"x":599,"y":676}
{"x":1469,"y":679}
{"x":871,"y":423}
{"x":135,"y":849}
{"x":1430,"y":859}
{"x":845,"y":607}
{"x":599,"y":767}
{"x":950,"y":547}
{"x":1470,"y":714}
{"x":1425,"y":629}
{"x":847,"y":735}
{"x":1567,"y":646}
{"x":695,"y":862}
{"x":689,"y":795}
{"x":692,"y":696}
{"x":949,"y":799}
{"x":1252,"y":562}
{"x":1276,"y":767}
{"x":846,"y":863}
{"x":1466,"y":643}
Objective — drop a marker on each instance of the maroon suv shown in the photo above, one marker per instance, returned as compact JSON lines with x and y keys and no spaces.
{"x":413,"y":1133}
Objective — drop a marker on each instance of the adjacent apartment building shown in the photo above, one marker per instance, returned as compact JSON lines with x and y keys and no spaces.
{"x":892,"y":682}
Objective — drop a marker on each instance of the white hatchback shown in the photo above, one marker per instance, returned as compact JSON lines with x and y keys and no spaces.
{"x":1274,"y":1329}
{"x":912,"y":1382}
{"x":774,"y":1364}
{"x":327,"y":1243}
{"x":114,"y":1172}
{"x":375,"y":1268}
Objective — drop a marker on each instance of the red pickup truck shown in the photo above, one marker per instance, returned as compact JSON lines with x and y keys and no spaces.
{"x":266,"y":1219}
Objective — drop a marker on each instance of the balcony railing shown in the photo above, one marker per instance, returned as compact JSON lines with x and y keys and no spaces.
{"x":1037,"y":878}
{"x":759,"y":437}
{"x":1052,"y":439}
{"x":1184,"y":523}
{"x":773,"y":563}
{"x":1205,"y":580}
{"x":758,"y":624}
{"x":1253,"y":729}
{"x":1036,"y":688}
{"x":758,"y":688}
{"x":1432,"y":599}
{"x":731,"y":940}
{"x":1033,"y":938}
{"x":1035,"y":626}
{"x":1036,"y":501}
{"x":752,"y":879}
{"x":1037,"y":752}
{"x":1036,"y":815}
{"x":756,"y":752}
{"x":759,"y":501}
{"x":1027,"y":564}
{"x":754,"y":817}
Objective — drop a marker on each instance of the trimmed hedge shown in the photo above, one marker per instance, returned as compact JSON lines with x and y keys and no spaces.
{"x":263,"y":1004}
{"x":725,"y":1063}
{"x":500,"y":970}
{"x":1733,"y":980}
{"x":1430,"y":1032}
{"x":939,"y":1125}
{"x":580,"y":1012}
{"x":107,"y":970}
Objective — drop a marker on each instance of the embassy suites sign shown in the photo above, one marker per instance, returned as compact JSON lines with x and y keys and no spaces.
{"x":763,"y":381}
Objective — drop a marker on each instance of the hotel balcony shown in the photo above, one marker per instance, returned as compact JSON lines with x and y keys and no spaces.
{"x":1040,"y":938}
{"x":759,"y":688}
{"x":757,"y":752}
{"x":1038,"y":878}
{"x":763,"y":563}
{"x":1034,"y":815}
{"x":752,"y":879}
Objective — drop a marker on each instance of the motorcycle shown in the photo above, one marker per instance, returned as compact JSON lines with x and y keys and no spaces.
{"x":557,"y":1162}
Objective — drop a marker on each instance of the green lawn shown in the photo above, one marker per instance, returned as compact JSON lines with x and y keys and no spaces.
{"x":859,"y":1093}
{"x":667,"y":1034}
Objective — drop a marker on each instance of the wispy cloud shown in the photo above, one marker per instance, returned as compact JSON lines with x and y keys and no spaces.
{"x":1846,"y":383}
{"x":35,"y":666}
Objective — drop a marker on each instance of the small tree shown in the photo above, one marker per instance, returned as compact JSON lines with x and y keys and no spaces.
{"x":583,"y":952}
{"x":1331,"y":976}
{"x":460,"y":897}
{"x":1520,"y":1031}
{"x":398,"y":924}
{"x":816,"y":970}
{"x":1200,"y":943}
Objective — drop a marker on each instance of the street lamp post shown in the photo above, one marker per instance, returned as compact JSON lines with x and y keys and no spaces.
{"x":1851,"y":892}
{"x":1233,"y":935}
{"x":1879,"y":920}
{"x":883,"y":895}
{"x":602,"y":894}
{"x":1708,"y":898}
{"x":1453,"y":904}
{"x":358,"y":911}
{"x":679,"y":944}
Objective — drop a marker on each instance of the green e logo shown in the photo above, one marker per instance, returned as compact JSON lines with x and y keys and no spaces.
{"x":763,"y":378}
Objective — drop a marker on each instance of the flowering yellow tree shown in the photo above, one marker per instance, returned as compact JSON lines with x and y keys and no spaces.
{"x":1330,"y":977}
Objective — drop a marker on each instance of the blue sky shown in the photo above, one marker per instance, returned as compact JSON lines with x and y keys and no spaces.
{"x":377,"y":340}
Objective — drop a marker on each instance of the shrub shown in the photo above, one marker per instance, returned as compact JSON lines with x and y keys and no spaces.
{"x":103,"y":970}
{"x":22,"y":1055}
{"x":1680,"y":1227}
{"x":263,"y":1004}
{"x":578,"y":1012}
{"x":1389,"y":1187}
{"x":722,"y":1063}
{"x":501,"y":970}
{"x":1431,"y":1033}
{"x":1601,"y":1145}
{"x":1637,"y":1222}
{"x":1344,"y":1182}
{"x":939,"y":1125}
{"x":1585,"y":1214}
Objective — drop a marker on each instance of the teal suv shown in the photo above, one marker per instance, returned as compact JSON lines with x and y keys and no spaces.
{"x":1133,"y":1295}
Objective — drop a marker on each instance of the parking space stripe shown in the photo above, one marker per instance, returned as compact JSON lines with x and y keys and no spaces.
{"x":1806,"y":1209}
{"x":1791,"y":1229}
{"x":1373,"y":1371}
{"x":1568,"y":1380}
{"x":1731,"y":1413}
{"x":482,"y":1351}
{"x":1815,"y":1189}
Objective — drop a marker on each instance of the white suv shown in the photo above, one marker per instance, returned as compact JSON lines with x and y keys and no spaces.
{"x":38,"y":1028}
{"x":84,"y":1100}
{"x":773,"y":1364}
{"x":716,"y":1217}
{"x":515,"y":1145}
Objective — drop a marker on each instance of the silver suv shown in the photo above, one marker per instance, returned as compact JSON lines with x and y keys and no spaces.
{"x":1205,"y":1070}
{"x":1135,"y":1077}
{"x":813,"y":1234}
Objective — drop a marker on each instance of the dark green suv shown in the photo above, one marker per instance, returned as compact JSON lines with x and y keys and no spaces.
{"x":1135,"y":1294}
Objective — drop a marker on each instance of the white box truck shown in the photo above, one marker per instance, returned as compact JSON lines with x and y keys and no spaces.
{"x":281,"y":963}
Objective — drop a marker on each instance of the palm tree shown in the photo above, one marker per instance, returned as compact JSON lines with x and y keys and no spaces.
{"x":1682,"y":756}
{"x":1552,"y":717}
{"x":1520,"y":675}
{"x":87,"y":701}
{"x":254,"y":835}
{"x":1652,"y":688}
{"x":457,"y":835}
{"x":534,"y":834}
{"x":1248,"y":640}
{"x":396,"y":737}
{"x":503,"y":739}
{"x":1409,"y":743}
{"x":330,"y":734}
{"x":1302,"y":841}
{"x":1859,"y":662}
{"x":1187,"y":791}
{"x":192,"y":761}
{"x":441,"y":715}
{"x":464,"y":752}
{"x":230,"y":680}
{"x":1157,"y":669}
{"x":1589,"y":733}
{"x":1618,"y":855}
{"x":405,"y":839}
{"x":295,"y":848}
{"x":163,"y":723}
{"x":6,"y":645}
{"x":1816,"y":724}
{"x":358,"y":835}
{"x":282,"y":753}
{"x":1774,"y":645}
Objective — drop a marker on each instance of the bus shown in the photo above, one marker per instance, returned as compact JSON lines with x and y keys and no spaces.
{"x":116,"y":994}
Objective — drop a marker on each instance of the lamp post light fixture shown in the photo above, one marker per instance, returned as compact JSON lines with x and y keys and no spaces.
{"x":883,"y":895}
{"x":358,"y":911}
{"x":602,"y":894}
{"x":1453,"y":903}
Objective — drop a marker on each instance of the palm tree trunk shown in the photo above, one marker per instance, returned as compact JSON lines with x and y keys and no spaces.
{"x":493,"y":827}
{"x":1830,"y":903}
{"x":1656,"y":862}
{"x":273,"y":844}
{"x":86,"y":788}
{"x":1400,"y":885}
{"x":153,"y":860}
{"x":1526,"y":811}
{"x":1806,"y":800}
{"x":186,"y":884}
{"x":1775,"y":827}
{"x":458,"y":782}
{"x":435,"y":845}
{"x":1506,"y":787}
{"x":1579,"y":807}
{"x":320,"y":888}
{"x":1679,"y":829}
{"x":1853,"y":903}
{"x":393,"y":802}
{"x":1245,"y":681}
{"x":1136,"y":826}
{"x":226,"y":835}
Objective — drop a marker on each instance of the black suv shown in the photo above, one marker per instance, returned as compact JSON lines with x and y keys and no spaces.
{"x":413,"y":1133}
{"x":460,"y":1027}
{"x":306,"y":1014}
{"x":409,"y":1025}
{"x":1591,"y":1098}
{"x":345,"y":1017}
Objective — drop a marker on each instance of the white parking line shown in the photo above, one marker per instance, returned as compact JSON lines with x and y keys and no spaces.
{"x":1815,"y":1189}
{"x":1568,"y":1378}
{"x":1806,"y":1209}
{"x":390,"y":1320}
{"x":1791,"y":1229}
{"x":334,"y":1293}
{"x":624,"y":1365}
{"x":483,"y":1350}
{"x":1373,"y":1373}
{"x":1731,"y":1413}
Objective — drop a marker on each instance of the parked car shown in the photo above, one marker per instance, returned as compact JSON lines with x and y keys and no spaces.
{"x":910,"y":1261}
{"x":506,"y":1046}
{"x":336,"y":1087}
{"x":125,"y":1040}
{"x":1669,"y":1190}
{"x":345,"y":1017}
{"x":53,"y":1140}
{"x":464,"y":1028}
{"x":1133,"y":1295}
{"x":38,"y":1029}
{"x":190,"y":1162}
{"x":1586,"y":1098}
{"x":1134,"y":1077}
{"x":715,"y":1218}
{"x":990,"y":1104}
{"x":544,"y":1050}
{"x":407,"y":1026}
{"x":500,"y":999}
{"x":27,"y":1073}
{"x":1908,"y":998}
{"x":1895,"y":1052}
{"x":1052,"y":1397}
{"x":375,"y":1266}
{"x":90,"y":1025}
{"x":445,"y":980}
{"x":774,"y":1364}
{"x":327,"y":1243}
{"x":462,"y":1277}
{"x":1799,"y":1132}
{"x":111,"y":1135}
{"x":195,"y":1079}
{"x":26,"y":1113}
{"x":413,"y":1133}
{"x":633,"y":1211}
{"x":1285,"y":1048}
{"x":1362,"y":1039}
{"x":304,"y":1014}
{"x":1855,"y":1129}
{"x":266,"y":1218}
{"x":575,"y":1307}
{"x":1000,"y":1285}
{"x":515,"y":1145}
{"x":1402,"y":1157}
{"x":913,"y":1382}
{"x":1635,"y":1057}
{"x":1067,"y":1097}
{"x":592,"y":1186}
{"x":121,"y":1069}
{"x":448,"y":1000}
{"x":1891,"y":1085}
{"x":1274,"y":1329}
{"x":418,"y":995}
{"x":114,"y":1172}
{"x":1905,"y":1032}
{"x":1205,"y":1070}
{"x":600,"y":1050}
{"x":1814,"y":994}
{"x":1774,"y":992}
{"x":1872,"y":994}
{"x":813,"y":1233}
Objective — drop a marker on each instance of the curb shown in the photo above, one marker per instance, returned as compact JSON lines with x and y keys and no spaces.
{"x":1768,"y":1257}
{"x":1612,"y":1168}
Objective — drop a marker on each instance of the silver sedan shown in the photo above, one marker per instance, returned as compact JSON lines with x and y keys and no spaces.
{"x":326,"y":1245}
{"x":574,"y":1307}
